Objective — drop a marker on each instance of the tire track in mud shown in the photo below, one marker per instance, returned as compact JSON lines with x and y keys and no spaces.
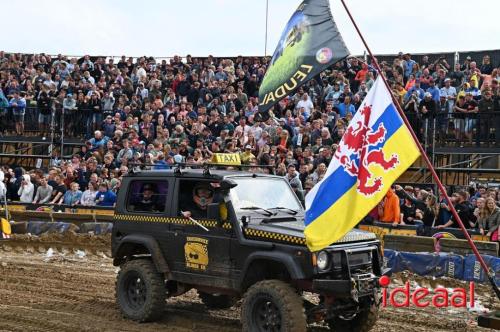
{"x":68,"y":293}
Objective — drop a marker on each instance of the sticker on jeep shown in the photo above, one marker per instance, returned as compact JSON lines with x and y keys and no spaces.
{"x":196,"y":253}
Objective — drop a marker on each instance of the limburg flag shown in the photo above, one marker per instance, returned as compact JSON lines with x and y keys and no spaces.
{"x":375,"y":150}
{"x":309,"y":44}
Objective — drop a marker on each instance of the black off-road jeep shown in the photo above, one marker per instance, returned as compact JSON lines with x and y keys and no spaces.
{"x":250,"y":245}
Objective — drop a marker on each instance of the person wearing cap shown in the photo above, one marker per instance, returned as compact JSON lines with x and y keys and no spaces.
{"x":473,"y":90}
{"x":148,"y":199}
{"x":247,"y":155}
{"x":434,"y":90}
{"x":108,"y":126}
{"x":415,"y":88}
{"x":197,"y":206}
{"x":69,"y":108}
{"x":449,"y":93}
{"x":428,"y":109}
{"x":466,"y":63}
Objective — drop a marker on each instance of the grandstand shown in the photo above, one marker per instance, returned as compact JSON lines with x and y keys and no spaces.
{"x":69,"y":120}
{"x":147,"y":81}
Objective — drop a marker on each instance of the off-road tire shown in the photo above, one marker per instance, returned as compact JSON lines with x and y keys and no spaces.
{"x":287,"y":304}
{"x":217,"y":302}
{"x":151,"y":284}
{"x":364,"y":321}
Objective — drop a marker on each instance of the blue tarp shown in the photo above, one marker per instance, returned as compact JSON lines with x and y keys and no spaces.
{"x":474,"y":272}
{"x":39,"y":227}
{"x":426,"y":264}
{"x":97,"y":228}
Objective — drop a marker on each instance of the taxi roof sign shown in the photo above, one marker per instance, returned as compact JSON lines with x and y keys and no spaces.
{"x":230,"y":159}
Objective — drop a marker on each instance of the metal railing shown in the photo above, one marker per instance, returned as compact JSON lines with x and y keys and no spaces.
{"x":444,"y":129}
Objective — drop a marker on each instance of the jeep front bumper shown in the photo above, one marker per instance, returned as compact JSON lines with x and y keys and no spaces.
{"x":358,"y":286}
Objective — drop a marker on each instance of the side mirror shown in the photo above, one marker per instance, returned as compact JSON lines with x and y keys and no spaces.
{"x":227,"y":184}
{"x":213,"y":212}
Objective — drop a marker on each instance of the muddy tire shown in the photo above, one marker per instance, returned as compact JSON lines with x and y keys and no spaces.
{"x":140,"y":291}
{"x":217,"y":302}
{"x":272,"y":305}
{"x":364,"y":321}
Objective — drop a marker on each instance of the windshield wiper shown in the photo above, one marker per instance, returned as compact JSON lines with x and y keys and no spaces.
{"x":256,"y":208}
{"x":290,"y":211}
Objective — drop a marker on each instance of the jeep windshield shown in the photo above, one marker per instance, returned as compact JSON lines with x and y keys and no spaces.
{"x":263,"y":194}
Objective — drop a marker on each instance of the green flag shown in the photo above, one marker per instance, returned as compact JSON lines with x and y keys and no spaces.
{"x":309,"y":44}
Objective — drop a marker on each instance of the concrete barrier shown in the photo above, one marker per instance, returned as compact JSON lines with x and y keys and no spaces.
{"x":462,"y":247}
{"x":409,"y":243}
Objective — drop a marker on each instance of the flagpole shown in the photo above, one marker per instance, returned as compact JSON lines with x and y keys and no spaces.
{"x":426,"y":159}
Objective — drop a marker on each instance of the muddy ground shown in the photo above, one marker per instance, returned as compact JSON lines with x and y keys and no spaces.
{"x":74,"y":291}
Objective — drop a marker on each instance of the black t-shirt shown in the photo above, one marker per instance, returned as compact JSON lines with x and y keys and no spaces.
{"x":408,"y":211}
{"x":59,"y":188}
{"x":465,"y":213}
{"x":430,"y":105}
{"x":470,"y":105}
{"x":456,"y":78}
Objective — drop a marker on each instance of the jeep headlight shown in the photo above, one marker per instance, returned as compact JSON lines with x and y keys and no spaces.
{"x":322,"y":260}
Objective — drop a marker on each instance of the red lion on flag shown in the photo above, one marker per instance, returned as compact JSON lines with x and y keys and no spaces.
{"x":357,"y":140}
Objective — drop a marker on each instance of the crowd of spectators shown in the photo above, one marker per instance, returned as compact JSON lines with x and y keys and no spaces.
{"x":477,"y":207}
{"x":158,"y":113}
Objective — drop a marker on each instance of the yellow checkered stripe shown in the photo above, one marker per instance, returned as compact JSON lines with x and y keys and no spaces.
{"x":168,"y":220}
{"x":275,"y":236}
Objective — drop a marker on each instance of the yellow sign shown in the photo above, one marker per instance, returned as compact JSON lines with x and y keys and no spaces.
{"x":196,"y":253}
{"x":5,"y":226}
{"x":381,"y":231}
{"x":226,"y":159}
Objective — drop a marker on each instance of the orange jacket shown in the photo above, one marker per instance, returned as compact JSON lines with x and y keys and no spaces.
{"x":392,"y":211}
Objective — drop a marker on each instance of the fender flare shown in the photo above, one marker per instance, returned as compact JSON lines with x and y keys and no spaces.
{"x":292,"y":265}
{"x":149,"y":243}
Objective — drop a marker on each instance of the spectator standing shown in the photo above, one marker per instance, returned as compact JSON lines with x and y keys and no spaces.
{"x":69,"y":111}
{"x":485,"y":115}
{"x":464,"y":212}
{"x":26,"y":190}
{"x":18,"y":106}
{"x":346,"y":107}
{"x":389,"y":210}
{"x":44,"y":110}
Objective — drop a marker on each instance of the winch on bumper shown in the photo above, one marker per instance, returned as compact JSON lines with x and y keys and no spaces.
{"x":348,"y":273}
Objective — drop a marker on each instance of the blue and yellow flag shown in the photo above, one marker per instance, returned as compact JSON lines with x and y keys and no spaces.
{"x":374,"y":151}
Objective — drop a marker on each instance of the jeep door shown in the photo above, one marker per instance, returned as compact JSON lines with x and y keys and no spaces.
{"x":200,"y":256}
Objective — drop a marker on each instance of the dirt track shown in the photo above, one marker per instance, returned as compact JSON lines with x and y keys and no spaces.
{"x":75,"y":293}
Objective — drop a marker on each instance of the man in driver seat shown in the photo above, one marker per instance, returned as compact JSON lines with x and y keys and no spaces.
{"x":149,"y":201}
{"x":196,"y":208}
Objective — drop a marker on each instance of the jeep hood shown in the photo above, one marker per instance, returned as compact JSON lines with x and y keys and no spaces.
{"x":293,"y":233}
